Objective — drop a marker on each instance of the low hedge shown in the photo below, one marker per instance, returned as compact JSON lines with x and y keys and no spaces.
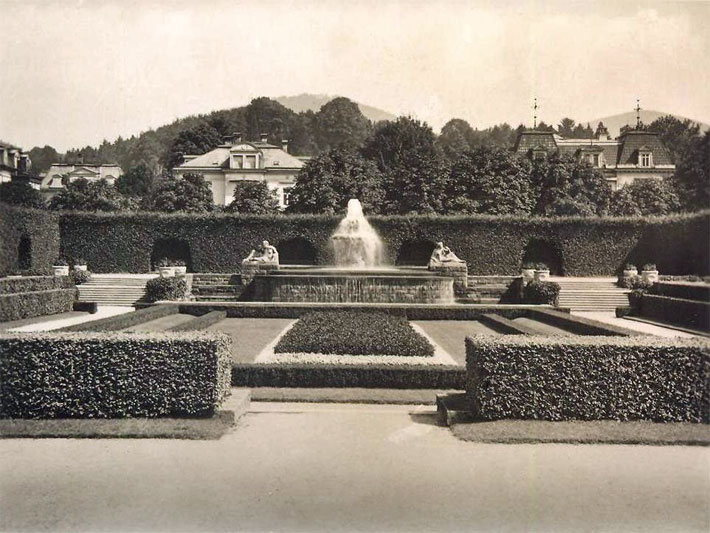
{"x":98,"y":375}
{"x":354,"y":333}
{"x":579,"y":325}
{"x":170,"y":288}
{"x":687,"y":291}
{"x":34,"y":283}
{"x":685,"y":313}
{"x":36,"y":303}
{"x":541,"y":292}
{"x":340,"y":376}
{"x":125,"y":320}
{"x":201,"y":322}
{"x":588,"y":378}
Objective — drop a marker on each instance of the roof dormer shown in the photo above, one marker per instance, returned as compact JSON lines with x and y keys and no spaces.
{"x":645,"y":157}
{"x":244,"y":156}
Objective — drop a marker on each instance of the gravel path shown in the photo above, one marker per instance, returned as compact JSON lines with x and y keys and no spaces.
{"x":451,"y":334}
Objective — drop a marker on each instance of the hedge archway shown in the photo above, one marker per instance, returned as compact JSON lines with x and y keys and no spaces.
{"x":415,"y":252}
{"x":173,"y":250}
{"x":544,"y":251}
{"x":24,"y":253}
{"x":297,"y":251}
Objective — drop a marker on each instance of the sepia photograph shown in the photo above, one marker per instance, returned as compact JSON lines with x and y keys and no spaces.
{"x":355,"y":266}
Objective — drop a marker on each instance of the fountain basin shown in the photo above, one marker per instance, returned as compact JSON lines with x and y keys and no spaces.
{"x":354,"y":285}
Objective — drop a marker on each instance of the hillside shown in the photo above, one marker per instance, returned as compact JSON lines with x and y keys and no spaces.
{"x":614,"y":123}
{"x":313,"y":102}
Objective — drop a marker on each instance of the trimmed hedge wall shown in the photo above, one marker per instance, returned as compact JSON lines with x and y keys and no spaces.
{"x":42,"y":230}
{"x":588,"y":378}
{"x":688,"y":291}
{"x":686,"y":313}
{"x":490,"y":245}
{"x":36,"y":303}
{"x":201,"y":322}
{"x":336,"y":376}
{"x":125,"y":320}
{"x":579,"y":325}
{"x":34,"y":283}
{"x":97,"y":375}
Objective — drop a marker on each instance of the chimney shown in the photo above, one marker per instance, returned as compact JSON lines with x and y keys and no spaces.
{"x":284,"y":145}
{"x":237,"y":136}
{"x":264,"y":137}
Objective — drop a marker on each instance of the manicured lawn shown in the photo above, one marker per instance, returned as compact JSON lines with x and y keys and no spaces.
{"x":354,"y":333}
{"x":250,"y":335}
{"x":451,"y":334}
{"x":544,"y":329}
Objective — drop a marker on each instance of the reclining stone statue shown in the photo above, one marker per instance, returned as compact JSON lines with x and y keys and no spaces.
{"x":266,"y":254}
{"x":442,"y":255}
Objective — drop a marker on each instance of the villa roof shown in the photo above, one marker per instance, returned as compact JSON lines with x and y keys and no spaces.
{"x":271,"y":156}
{"x":633,"y":141}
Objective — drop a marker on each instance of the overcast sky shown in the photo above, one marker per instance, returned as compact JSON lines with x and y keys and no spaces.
{"x":74,"y":73}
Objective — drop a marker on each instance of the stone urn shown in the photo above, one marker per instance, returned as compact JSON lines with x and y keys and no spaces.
{"x":542,"y":274}
{"x":650,"y":275}
{"x":630,"y":272}
{"x":528,"y":274}
{"x":180,"y":270}
{"x":80,"y":268}
{"x":61,"y":270}
{"x":166,"y":271}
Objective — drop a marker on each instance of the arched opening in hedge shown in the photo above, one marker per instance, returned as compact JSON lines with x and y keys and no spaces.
{"x":24,"y":253}
{"x":543,"y":251}
{"x":415,"y":252}
{"x":297,"y":251}
{"x":172,"y":250}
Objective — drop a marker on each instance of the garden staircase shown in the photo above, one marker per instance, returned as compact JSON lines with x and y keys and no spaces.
{"x":216,"y":287}
{"x":591,"y":294}
{"x":115,"y":289}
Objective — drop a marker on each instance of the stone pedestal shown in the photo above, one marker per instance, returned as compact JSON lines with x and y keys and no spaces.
{"x":252,"y":268}
{"x":456,"y":270}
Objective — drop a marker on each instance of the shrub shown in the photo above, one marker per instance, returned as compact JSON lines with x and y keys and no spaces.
{"x":172,"y":288}
{"x":34,"y":283}
{"x":649,"y":266}
{"x":541,"y":266}
{"x":588,"y":378}
{"x":79,"y":277}
{"x":541,"y":292}
{"x":687,"y":313}
{"x":629,"y":266}
{"x":634,"y":282}
{"x":123,"y":242}
{"x":36,"y":303}
{"x":635,"y":298}
{"x":691,"y":278}
{"x":125,"y":320}
{"x":354,"y":333}
{"x":60,"y":261}
{"x":687,"y":291}
{"x":98,"y":375}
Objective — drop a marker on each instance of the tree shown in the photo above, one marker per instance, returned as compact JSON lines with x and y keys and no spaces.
{"x":98,"y":195}
{"x":566,"y":184}
{"x":418,"y":187}
{"x":194,"y":141}
{"x":676,"y":135}
{"x":645,"y":197}
{"x":400,"y":143}
{"x":137,"y":181}
{"x":566,"y":127}
{"x":456,"y":138}
{"x":491,"y":180}
{"x":692,"y":175}
{"x":42,"y":158}
{"x":327,"y":182}
{"x":21,"y":193}
{"x":253,"y":197}
{"x":190,"y":193}
{"x":340,"y":124}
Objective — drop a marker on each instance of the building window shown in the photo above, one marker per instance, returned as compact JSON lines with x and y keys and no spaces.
{"x":645,"y":159}
{"x":287,"y":195}
{"x":250,"y":161}
{"x":237,"y":161}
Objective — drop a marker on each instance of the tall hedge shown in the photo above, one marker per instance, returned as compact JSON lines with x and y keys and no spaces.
{"x":490,"y":245}
{"x":588,"y":378}
{"x":36,"y":303}
{"x":42,"y":229}
{"x":108,"y":375}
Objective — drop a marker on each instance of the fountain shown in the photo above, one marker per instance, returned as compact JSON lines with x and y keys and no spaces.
{"x":359,"y":274}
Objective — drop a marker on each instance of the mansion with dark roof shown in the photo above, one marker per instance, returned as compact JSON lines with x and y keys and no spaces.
{"x":634,"y":155}
{"x":236,"y":160}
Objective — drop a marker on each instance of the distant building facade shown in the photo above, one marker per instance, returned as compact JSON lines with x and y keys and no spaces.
{"x":54,"y":179}
{"x":13,"y":162}
{"x":236,"y":160}
{"x":634,"y":155}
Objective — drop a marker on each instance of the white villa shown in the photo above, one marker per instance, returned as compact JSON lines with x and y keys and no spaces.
{"x":51,"y":183}
{"x":237,"y":160}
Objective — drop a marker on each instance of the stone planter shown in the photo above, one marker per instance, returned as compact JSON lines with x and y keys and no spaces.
{"x":650,"y":275}
{"x":180,"y":270}
{"x":166,"y":272}
{"x":631,"y":273}
{"x":542,"y":275}
{"x":80,"y":268}
{"x":528,"y":274}
{"x":61,"y":270}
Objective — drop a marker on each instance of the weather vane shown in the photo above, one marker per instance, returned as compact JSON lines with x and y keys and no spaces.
{"x":638,"y":115}
{"x":535,"y":113}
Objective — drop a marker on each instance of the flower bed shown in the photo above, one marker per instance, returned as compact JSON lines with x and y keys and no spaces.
{"x":354,"y":333}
